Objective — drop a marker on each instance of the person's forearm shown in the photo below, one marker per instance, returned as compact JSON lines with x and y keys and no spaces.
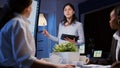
{"x":53,"y":38}
{"x":39,"y":64}
{"x":80,"y":42}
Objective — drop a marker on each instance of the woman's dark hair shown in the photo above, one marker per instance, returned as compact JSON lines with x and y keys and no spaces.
{"x":73,"y":17}
{"x":15,"y":6}
{"x":117,"y":10}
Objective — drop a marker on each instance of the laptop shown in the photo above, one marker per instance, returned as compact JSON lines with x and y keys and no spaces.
{"x":97,"y":55}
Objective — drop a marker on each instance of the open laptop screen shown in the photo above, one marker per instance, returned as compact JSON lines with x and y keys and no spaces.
{"x":97,"y":53}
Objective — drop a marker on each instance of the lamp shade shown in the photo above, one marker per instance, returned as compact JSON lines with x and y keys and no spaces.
{"x":42,"y":20}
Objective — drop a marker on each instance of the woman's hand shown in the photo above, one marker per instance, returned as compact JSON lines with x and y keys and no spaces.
{"x":70,"y":40}
{"x":116,"y":65}
{"x":45,"y":32}
{"x":43,"y":64}
{"x":87,"y":60}
{"x":65,"y":66}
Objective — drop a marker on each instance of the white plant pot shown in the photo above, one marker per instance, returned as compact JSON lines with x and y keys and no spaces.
{"x":68,"y":57}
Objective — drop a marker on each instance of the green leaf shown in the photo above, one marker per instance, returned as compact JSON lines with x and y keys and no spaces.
{"x":65,"y":47}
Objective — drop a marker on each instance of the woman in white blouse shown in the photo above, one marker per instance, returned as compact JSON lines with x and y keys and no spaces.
{"x":70,"y":26}
{"x":17,"y":45}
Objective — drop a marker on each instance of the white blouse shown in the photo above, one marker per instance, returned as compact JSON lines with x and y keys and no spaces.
{"x":17,"y":45}
{"x":73,"y":29}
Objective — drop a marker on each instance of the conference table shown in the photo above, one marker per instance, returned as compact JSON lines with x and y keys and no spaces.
{"x":55,"y":59}
{"x":80,"y":65}
{"x":93,"y":66}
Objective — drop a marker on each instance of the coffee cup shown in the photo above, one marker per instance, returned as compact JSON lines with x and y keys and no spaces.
{"x":84,"y":59}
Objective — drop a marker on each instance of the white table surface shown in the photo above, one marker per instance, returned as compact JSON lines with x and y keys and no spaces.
{"x":93,"y":66}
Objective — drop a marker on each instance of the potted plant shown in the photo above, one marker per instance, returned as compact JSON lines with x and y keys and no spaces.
{"x":65,"y":47}
{"x":68,"y":52}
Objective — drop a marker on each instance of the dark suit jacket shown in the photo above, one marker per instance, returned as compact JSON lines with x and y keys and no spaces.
{"x":112,"y":56}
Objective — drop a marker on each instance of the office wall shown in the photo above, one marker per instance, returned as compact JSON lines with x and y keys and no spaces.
{"x":2,"y":3}
{"x":48,"y":7}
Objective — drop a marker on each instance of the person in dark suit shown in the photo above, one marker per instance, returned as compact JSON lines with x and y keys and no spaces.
{"x":115,"y":24}
{"x":114,"y":55}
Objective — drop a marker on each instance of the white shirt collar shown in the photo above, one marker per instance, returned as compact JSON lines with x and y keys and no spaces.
{"x":116,"y":35}
{"x":23,"y":17}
